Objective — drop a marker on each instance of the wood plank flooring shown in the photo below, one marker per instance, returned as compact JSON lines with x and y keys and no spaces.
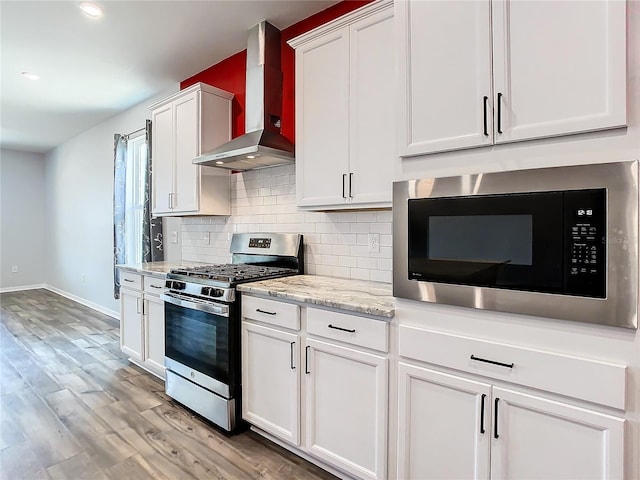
{"x":72,"y":408}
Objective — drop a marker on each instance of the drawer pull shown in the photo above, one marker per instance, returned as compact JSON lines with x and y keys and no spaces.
{"x":306,"y":359}
{"x":482,"y":413}
{"x":342,"y":329}
{"x":265,"y":312}
{"x":156,"y":286}
{"x":128,"y":280}
{"x":492,"y":362}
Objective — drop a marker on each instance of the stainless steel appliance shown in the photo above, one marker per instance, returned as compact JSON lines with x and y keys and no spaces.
{"x":556,"y":242}
{"x":262,"y":145}
{"x":202,"y":322}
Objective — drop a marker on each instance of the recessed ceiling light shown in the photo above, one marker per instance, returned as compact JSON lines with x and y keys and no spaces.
{"x":91,"y":9}
{"x":251,"y":156}
{"x":30,"y":76}
{"x":219,"y":162}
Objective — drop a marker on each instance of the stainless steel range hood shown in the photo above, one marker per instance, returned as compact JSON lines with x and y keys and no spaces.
{"x":262,"y":145}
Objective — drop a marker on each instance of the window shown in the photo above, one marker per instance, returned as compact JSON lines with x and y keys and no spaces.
{"x":134,"y":197}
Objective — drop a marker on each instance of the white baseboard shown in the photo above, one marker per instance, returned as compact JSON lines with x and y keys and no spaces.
{"x":70,"y":296}
{"x":82,"y":301}
{"x":22,"y":288}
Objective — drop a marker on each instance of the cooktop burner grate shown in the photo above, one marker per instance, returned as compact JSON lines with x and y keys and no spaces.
{"x":233,"y":273}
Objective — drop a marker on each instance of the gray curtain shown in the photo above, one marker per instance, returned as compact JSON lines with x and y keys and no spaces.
{"x":152,"y":246}
{"x":119,"y":194}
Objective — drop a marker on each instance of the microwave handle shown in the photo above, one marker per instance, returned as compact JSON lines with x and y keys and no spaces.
{"x":221,"y":310}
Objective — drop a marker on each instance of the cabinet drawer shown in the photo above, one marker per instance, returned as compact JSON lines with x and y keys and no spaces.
{"x":153,"y":285}
{"x":130,"y":280}
{"x":582,"y":378}
{"x":347,"y":328}
{"x":282,"y":314}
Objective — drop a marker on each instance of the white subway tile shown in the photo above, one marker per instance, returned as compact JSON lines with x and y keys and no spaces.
{"x":367,"y":217}
{"x":345,"y":261}
{"x":342,"y":272}
{"x":359,"y":228}
{"x":360,"y":273}
{"x":385,"y":216}
{"x":381,"y":276}
{"x":381,"y":228}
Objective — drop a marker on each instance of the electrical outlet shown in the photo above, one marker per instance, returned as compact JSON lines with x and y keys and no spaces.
{"x":374,"y":243}
{"x":174,"y":237}
{"x":14,"y":269}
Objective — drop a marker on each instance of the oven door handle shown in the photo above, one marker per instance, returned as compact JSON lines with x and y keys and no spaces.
{"x":221,"y":310}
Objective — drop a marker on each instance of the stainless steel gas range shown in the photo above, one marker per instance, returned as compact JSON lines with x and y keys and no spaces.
{"x":202,"y":322}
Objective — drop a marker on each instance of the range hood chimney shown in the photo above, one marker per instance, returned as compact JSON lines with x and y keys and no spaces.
{"x":262,"y":145}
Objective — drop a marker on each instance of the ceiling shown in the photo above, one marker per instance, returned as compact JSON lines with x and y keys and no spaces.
{"x":91,"y":69}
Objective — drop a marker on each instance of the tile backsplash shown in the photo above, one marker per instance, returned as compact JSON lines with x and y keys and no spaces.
{"x":336,"y":243}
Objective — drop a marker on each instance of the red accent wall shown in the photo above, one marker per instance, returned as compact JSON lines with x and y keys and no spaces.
{"x":229,"y":74}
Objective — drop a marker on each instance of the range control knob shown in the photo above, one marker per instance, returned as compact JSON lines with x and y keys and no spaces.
{"x":178,"y":285}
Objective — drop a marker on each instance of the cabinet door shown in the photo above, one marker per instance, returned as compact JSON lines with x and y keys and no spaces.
{"x":443,"y":425}
{"x":131,"y":325}
{"x":538,"y":438}
{"x":154,"y":333}
{"x":346,"y":408}
{"x":187,"y":147}
{"x":559,"y":66}
{"x":444,"y":76}
{"x":162,"y":152}
{"x":271,"y":380}
{"x":322,"y":120}
{"x":372,"y":110}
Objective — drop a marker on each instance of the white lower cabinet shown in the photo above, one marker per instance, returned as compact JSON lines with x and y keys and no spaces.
{"x":325,"y":396}
{"x":271,"y":380}
{"x":455,"y":427}
{"x":131,"y":323}
{"x":142,"y":321}
{"x":346,"y":408}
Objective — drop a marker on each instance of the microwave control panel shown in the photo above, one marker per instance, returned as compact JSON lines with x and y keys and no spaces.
{"x":585,"y":242}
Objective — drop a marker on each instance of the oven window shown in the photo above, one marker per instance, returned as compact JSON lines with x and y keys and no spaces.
{"x":481,"y":238}
{"x":199,"y":340}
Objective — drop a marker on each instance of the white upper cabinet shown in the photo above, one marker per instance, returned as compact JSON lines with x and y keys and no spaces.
{"x":485,"y":72}
{"x":345,"y":110}
{"x":191,"y":122}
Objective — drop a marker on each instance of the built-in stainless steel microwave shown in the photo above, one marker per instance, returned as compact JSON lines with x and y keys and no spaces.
{"x":556,"y":242}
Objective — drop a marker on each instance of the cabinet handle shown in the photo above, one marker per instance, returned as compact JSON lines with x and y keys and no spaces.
{"x":344,"y":177}
{"x":306,"y":359}
{"x":342,"y":329}
{"x":486,"y":128}
{"x":500,"y":113}
{"x":482,"y":413}
{"x":128,"y":280}
{"x":170,"y":202}
{"x":350,"y":179}
{"x":495,"y":419}
{"x":145,"y":306}
{"x":492,"y":362}
{"x":138,"y":305}
{"x":293,"y":367}
{"x":265,"y":312}
{"x":156,"y":286}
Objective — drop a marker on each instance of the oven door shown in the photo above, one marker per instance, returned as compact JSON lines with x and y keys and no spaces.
{"x":512,"y":241}
{"x":200,"y":344}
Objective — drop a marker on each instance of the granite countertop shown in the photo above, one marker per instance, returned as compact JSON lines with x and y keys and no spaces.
{"x":361,"y":296}
{"x":156,"y":269}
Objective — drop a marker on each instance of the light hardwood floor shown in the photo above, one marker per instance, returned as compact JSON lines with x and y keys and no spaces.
{"x":72,"y":407}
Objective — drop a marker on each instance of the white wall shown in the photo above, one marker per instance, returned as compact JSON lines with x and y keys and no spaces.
{"x":22,"y":220}
{"x":79,"y":209}
{"x":336,"y":243}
